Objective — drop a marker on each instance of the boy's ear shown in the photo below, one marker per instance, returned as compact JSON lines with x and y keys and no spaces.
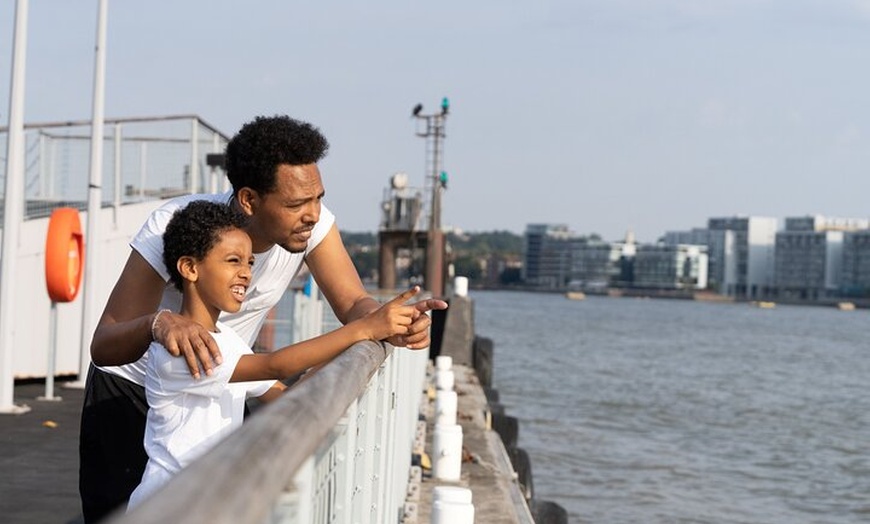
{"x":248,"y":200}
{"x":187,"y":267}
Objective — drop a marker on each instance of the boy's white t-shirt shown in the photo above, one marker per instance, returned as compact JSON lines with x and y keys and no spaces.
{"x":271,"y":275}
{"x":187,"y":417}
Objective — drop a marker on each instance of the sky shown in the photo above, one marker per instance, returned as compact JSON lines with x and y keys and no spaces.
{"x":604,"y":115}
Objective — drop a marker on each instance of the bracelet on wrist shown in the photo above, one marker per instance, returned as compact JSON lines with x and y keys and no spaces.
{"x":154,"y":323}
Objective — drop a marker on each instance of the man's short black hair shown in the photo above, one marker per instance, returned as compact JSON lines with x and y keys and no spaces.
{"x":260,"y":146}
{"x":193,"y":230}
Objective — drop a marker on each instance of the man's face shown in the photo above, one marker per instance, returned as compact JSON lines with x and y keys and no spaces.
{"x":287,"y":215}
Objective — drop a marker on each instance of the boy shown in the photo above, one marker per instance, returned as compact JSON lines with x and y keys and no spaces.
{"x":209,"y":258}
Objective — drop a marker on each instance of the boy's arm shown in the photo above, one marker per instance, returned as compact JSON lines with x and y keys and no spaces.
{"x":125,"y":328}
{"x":390,"y":319}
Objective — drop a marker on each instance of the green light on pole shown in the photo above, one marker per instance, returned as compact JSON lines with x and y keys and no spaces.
{"x":442,"y":178}
{"x":445,"y":105}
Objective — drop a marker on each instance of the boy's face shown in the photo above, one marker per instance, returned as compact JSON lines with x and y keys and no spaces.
{"x":287,"y":215}
{"x":224,"y":274}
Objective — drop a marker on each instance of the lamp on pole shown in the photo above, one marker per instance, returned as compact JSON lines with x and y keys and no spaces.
{"x":436,"y":181}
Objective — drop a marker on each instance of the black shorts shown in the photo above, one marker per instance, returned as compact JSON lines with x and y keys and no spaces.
{"x":111,"y":450}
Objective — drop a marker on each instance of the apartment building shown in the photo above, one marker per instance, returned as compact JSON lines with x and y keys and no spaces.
{"x":810,"y":256}
{"x":721,"y":259}
{"x":856,"y":264}
{"x":754,"y":240}
{"x":671,"y":266}
{"x":547,"y":255}
{"x":599,"y":264}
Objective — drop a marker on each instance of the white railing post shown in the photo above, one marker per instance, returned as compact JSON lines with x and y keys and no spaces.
{"x":215,"y":148}
{"x":194,"y":156}
{"x":143,"y":169}
{"x":117,"y":170}
{"x":344,"y":478}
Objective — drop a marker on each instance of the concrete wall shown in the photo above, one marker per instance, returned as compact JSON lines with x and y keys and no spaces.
{"x":31,"y":337}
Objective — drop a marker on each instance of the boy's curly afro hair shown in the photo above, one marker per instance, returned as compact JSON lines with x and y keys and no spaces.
{"x":255,"y":152}
{"x":195,"y":229}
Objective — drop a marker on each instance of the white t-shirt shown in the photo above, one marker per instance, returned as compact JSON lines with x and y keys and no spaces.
{"x":272,"y":273}
{"x":187,"y":417}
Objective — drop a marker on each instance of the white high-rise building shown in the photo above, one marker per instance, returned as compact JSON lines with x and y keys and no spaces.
{"x":754,"y":242}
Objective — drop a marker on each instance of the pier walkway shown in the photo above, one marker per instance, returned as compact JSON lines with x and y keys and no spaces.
{"x":39,"y":458}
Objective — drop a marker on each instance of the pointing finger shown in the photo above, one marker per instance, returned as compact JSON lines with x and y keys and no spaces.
{"x":404,"y":296}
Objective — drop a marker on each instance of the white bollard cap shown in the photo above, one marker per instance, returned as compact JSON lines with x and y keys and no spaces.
{"x":460,"y":286}
{"x":444,"y":512}
{"x":443,"y":362}
{"x":452,"y":494}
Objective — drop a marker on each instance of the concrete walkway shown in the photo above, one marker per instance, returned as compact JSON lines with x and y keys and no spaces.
{"x":39,"y":458}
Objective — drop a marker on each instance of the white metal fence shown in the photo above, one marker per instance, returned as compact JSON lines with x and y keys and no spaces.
{"x":335,"y":449}
{"x":144,"y":158}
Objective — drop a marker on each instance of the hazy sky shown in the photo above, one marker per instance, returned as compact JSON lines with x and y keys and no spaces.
{"x":605,"y":115}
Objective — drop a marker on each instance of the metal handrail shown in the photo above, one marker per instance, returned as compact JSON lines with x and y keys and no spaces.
{"x":129,"y":120}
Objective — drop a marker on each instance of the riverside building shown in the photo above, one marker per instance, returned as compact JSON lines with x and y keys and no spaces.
{"x":740,"y":251}
{"x":721,"y":259}
{"x":753,"y":247}
{"x":547,"y":255}
{"x":856,"y":264}
{"x":596,"y":264}
{"x":810,"y":256}
{"x":669,"y":266}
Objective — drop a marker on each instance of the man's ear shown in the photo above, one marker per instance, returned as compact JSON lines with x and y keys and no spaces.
{"x":248,"y":200}
{"x":187,"y":267}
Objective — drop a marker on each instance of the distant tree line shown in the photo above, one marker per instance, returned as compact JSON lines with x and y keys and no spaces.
{"x":488,"y":259}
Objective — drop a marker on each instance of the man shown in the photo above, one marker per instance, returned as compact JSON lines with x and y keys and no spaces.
{"x":272,"y":166}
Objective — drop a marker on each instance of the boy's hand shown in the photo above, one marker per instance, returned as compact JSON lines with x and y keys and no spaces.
{"x":183,"y":337}
{"x":393,"y":317}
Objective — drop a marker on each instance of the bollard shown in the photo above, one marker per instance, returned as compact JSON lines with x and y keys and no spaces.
{"x":452,"y":494}
{"x":444,"y":379}
{"x":445,"y":407}
{"x":447,"y":452}
{"x":454,"y":505}
{"x":443,"y":362}
{"x":444,"y":512}
{"x":460,"y":286}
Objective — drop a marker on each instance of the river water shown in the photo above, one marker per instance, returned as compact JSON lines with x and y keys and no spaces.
{"x":674,"y":411}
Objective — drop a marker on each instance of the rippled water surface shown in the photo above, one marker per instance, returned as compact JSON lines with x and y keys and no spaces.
{"x":669,"y":411}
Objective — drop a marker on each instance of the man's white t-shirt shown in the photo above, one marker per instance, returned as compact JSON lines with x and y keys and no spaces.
{"x":271,"y":275}
{"x":187,"y":417}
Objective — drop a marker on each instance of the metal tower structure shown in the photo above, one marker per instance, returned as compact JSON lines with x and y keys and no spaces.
{"x":436,"y":182}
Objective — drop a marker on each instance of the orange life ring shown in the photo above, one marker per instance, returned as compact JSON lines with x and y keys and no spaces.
{"x":64,"y":254}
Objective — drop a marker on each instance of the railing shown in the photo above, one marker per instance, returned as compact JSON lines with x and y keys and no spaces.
{"x":336,"y":448}
{"x":146,"y":159}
